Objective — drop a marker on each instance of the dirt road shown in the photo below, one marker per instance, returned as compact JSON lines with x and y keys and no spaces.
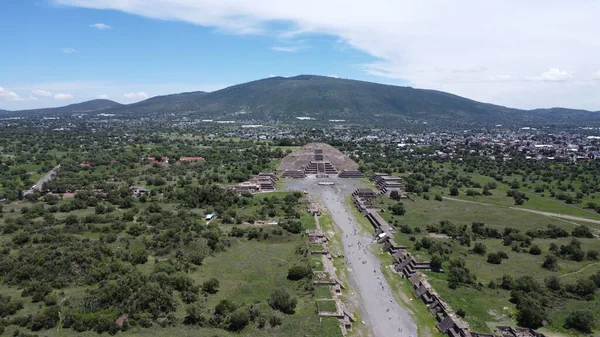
{"x":40,"y":183}
{"x":381,"y":312}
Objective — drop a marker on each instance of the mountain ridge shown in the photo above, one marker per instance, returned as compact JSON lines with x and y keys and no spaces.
{"x":323,"y":98}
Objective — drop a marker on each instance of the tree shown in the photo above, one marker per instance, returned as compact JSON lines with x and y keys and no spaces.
{"x":281,"y":300}
{"x":550,"y":263}
{"x":454,"y":191}
{"x":535,"y":250}
{"x":239,"y":319}
{"x":225,"y":307}
{"x":398,"y":209}
{"x":580,"y":320}
{"x":494,"y":258}
{"x":211,"y":286}
{"x":194,"y":315}
{"x":436,"y":262}
{"x":582,"y":232}
{"x":139,"y":256}
{"x":461,"y":313}
{"x":531,"y":313}
{"x":296,"y":273}
{"x":479,"y":248}
{"x":394,"y":195}
{"x":553,"y":283}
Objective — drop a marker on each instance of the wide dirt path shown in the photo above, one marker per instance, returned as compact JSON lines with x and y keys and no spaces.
{"x":380,"y":311}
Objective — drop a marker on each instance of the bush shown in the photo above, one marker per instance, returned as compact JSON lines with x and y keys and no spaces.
{"x":582,"y":232}
{"x":535,"y":250}
{"x":550,"y":263}
{"x":438,"y":197}
{"x":211,"y":286}
{"x":239,"y":319}
{"x":531,"y":313}
{"x":454,"y":191}
{"x":553,"y":283}
{"x":296,"y":273}
{"x":461,"y":313}
{"x":275,"y":320}
{"x":281,"y":300}
{"x":580,"y":320}
{"x":494,"y":258}
{"x":479,"y":248}
{"x":398,"y":209}
{"x":194,"y":315}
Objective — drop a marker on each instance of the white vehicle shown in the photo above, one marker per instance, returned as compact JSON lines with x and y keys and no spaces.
{"x":34,"y":186}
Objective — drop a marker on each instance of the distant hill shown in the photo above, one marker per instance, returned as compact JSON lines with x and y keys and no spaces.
{"x":323,"y":98}
{"x":84,"y":107}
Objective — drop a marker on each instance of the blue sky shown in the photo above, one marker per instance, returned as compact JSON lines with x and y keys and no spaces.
{"x":57,"y":52}
{"x":54,"y":48}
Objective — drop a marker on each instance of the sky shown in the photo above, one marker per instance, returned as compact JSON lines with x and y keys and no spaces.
{"x":522,"y":54}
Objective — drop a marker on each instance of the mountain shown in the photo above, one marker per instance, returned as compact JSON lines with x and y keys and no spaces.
{"x":323,"y":98}
{"x":95,"y":105}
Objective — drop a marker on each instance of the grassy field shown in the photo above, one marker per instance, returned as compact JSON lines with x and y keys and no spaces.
{"x":536,"y":200}
{"x":487,"y":307}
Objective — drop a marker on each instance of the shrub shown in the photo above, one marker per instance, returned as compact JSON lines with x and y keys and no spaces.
{"x":281,"y":300}
{"x":211,"y":286}
{"x":580,"y":320}
{"x":454,"y":191}
{"x":535,"y":250}
{"x":296,"y":273}
{"x":582,"y":232}
{"x":494,"y":258}
{"x":479,"y":248}
{"x":239,"y":319}
{"x":550,"y":263}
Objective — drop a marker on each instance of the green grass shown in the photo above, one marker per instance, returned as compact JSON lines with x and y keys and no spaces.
{"x":421,"y":212}
{"x":486,"y":308}
{"x":326,"y":306}
{"x":323,"y":291}
{"x":535,"y":202}
{"x":308,"y":221}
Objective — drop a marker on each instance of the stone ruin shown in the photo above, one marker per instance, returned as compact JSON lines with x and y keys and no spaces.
{"x":318,"y":159}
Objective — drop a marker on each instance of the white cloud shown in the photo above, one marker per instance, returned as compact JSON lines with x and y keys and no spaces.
{"x":11,"y":96}
{"x":100,"y":26}
{"x":41,"y":92}
{"x":140,"y":95}
{"x":596,"y":75}
{"x":425,"y":43}
{"x":103,"y":97}
{"x":552,"y":75}
{"x":272,"y":75}
{"x":63,"y":97}
{"x":291,"y":49}
{"x":68,"y":50}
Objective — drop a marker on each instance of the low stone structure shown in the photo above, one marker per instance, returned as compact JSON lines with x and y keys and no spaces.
{"x":294,"y":174}
{"x":263,"y":182}
{"x":407,"y":266}
{"x":351,"y":174}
